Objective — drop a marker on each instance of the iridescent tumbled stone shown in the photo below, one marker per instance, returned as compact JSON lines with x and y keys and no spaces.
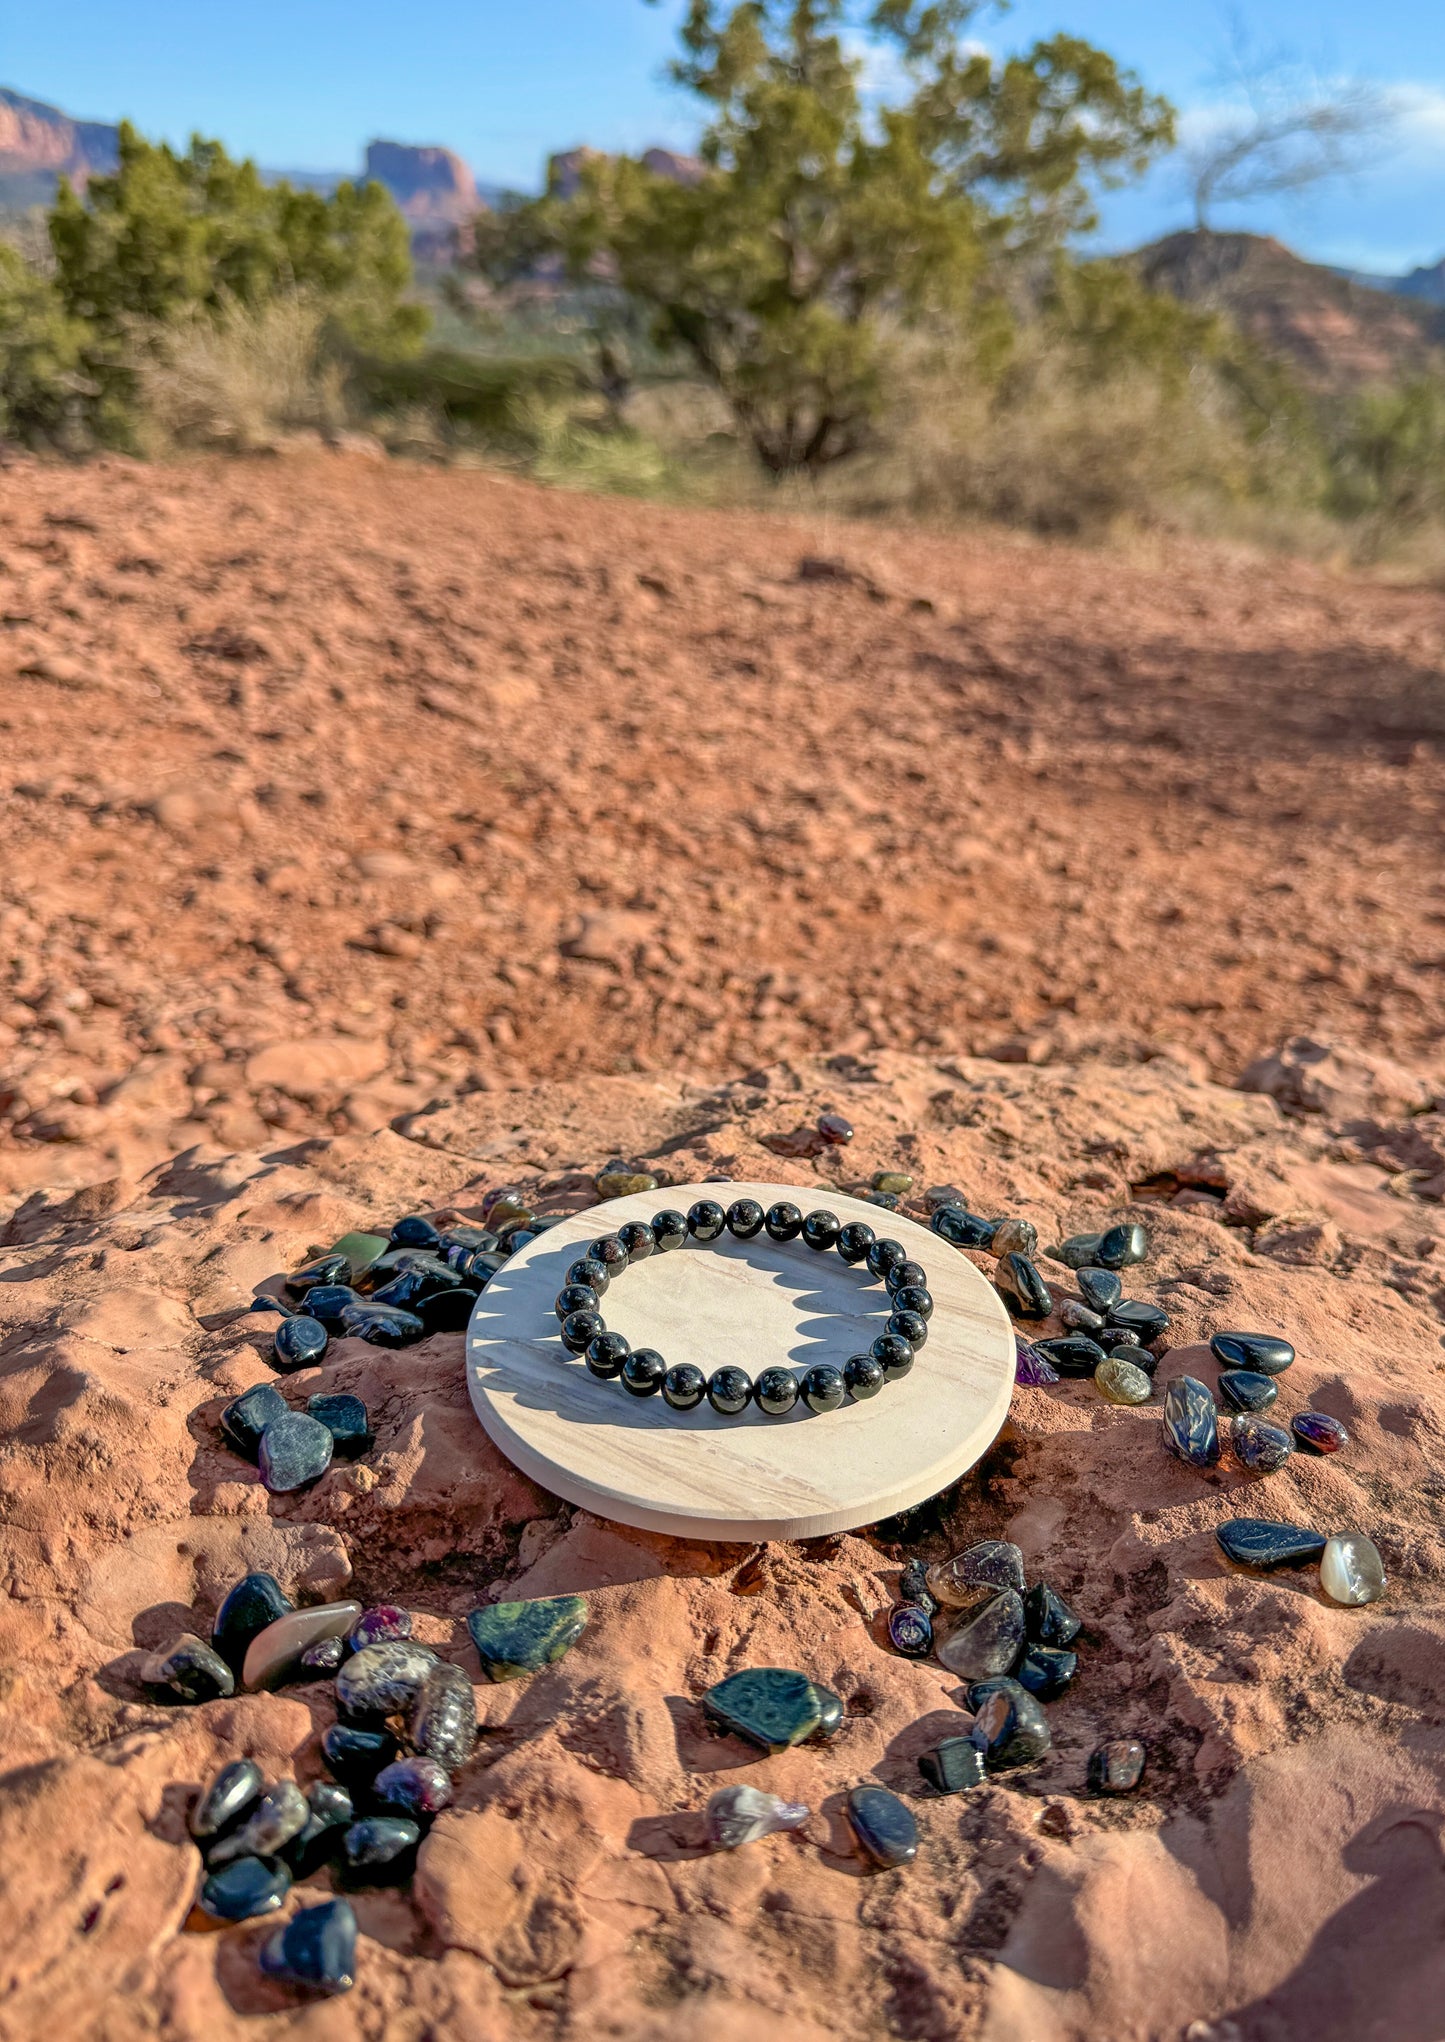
{"x":1122,"y":1245}
{"x":823,"y":1387}
{"x":893,"y":1354}
{"x":255,"y":1601}
{"x":972,"y":1576}
{"x":835,"y":1128}
{"x":382,"y":1325}
{"x":1023,"y":1289}
{"x":987,"y":1641}
{"x":1048,"y":1618}
{"x":953,"y":1766}
{"x":643,"y":1372}
{"x":1031,"y":1368}
{"x":669,"y":1230}
{"x":417,"y":1787}
{"x":863,"y":1377}
{"x":295,"y":1451}
{"x":1118,"y":1766}
{"x":741,"y":1815}
{"x":784,"y":1221}
{"x":1191,"y":1423}
{"x":246,"y":1417}
{"x":1100,"y":1289}
{"x":279,"y":1815}
{"x":729,"y":1390}
{"x":442,"y":1723}
{"x":415,"y":1232}
{"x":1120,"y":1382}
{"x":910,"y":1631}
{"x":323,"y":1658}
{"x":1247,"y":1391}
{"x":1266,"y":1354}
{"x":821,"y":1230}
{"x":276,"y":1652}
{"x":231,"y":1794}
{"x":1014,"y":1237}
{"x":1260,"y":1543}
{"x":1046,"y":1670}
{"x":1351,"y":1570}
{"x":1009,"y":1727}
{"x":328,"y":1301}
{"x":683,"y":1387}
{"x":962,"y":1229}
{"x":772,"y":1707}
{"x":345,"y":1418}
{"x":605,"y":1355}
{"x":380,"y":1851}
{"x":776,"y":1392}
{"x":513,"y":1638}
{"x":383,"y":1680}
{"x":883,"y":1825}
{"x":327,"y":1269}
{"x":854,"y":1241}
{"x":316,"y":1950}
{"x":245,"y":1888}
{"x":706,"y":1219}
{"x":188,"y":1670}
{"x":1258,"y":1445}
{"x":1318,"y":1433}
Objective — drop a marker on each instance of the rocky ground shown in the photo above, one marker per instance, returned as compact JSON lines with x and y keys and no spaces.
{"x":375,"y":839}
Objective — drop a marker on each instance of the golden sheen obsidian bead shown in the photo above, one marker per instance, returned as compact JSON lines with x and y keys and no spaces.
{"x":855,"y":1240}
{"x":783,"y":1221}
{"x":745,"y":1218}
{"x":684,"y":1387}
{"x":821,"y":1230}
{"x":606,"y":1354}
{"x":643,"y":1371}
{"x":669,"y":1230}
{"x":823,"y":1387}
{"x":729,"y":1390}
{"x":776,"y":1390}
{"x":706,"y":1219}
{"x":580,"y":1329}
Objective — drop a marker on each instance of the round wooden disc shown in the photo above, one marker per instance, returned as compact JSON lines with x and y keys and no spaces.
{"x":756,"y":1303}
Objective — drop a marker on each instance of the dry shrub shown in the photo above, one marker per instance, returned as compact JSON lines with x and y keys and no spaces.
{"x":237,"y":378}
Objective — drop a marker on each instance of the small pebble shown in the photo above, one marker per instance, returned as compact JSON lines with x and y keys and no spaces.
{"x":327,"y":1269}
{"x":1117,"y":1767}
{"x":1318,"y":1433}
{"x":620,"y":1180}
{"x":1351,"y":1570}
{"x":913,"y":1586}
{"x":1120,"y":1382}
{"x":276,"y":1652}
{"x":1079,"y":1318}
{"x":1260,"y":1543}
{"x":974,"y":1575}
{"x":741,"y":1815}
{"x":1147,"y":1322}
{"x":1024,"y":1290}
{"x":360,"y":1250}
{"x":1264,"y":1353}
{"x":1078,"y":1251}
{"x":381,"y":1325}
{"x":417,"y":1787}
{"x":357,"y":1756}
{"x":910,"y":1631}
{"x":383,"y":1680}
{"x":188,"y":1671}
{"x":442,"y":1724}
{"x":835,"y":1129}
{"x":1247,"y":1391}
{"x":325,"y":1656}
{"x":328,"y":1301}
{"x":381,"y":1851}
{"x":331,"y":1815}
{"x":1259,"y":1446}
{"x":962,"y":1229}
{"x":1074,"y":1354}
{"x":279,"y":1815}
{"x":295,"y":1451}
{"x":299,"y":1343}
{"x":1014,"y":1237}
{"x":513,"y":1638}
{"x":1123,"y":1245}
{"x":1031,"y":1368}
{"x":384,"y":1625}
{"x":1099,"y":1288}
{"x":415,"y":1232}
{"x":772,"y":1707}
{"x":1046,"y":1671}
{"x":883,"y":1825}
{"x":1009,"y":1727}
{"x":316,"y":1950}
{"x":896,"y":1182}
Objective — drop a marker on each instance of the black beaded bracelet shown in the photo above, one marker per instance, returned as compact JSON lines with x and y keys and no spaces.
{"x":730,"y":1390}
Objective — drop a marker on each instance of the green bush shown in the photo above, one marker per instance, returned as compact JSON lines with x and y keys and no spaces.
{"x":41,"y":387}
{"x":1388,"y":467}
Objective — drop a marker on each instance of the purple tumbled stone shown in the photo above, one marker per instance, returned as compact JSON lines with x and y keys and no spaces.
{"x":417,"y":1786}
{"x":1319,"y":1432}
{"x":910,"y":1630}
{"x":1031,"y":1367}
{"x":384,"y":1625}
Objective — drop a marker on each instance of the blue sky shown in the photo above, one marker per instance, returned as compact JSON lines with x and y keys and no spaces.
{"x":305,"y":83}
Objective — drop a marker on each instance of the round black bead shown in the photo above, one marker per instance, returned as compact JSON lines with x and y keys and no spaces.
{"x":776,"y":1389}
{"x":590,"y":1271}
{"x":864,"y":1376}
{"x":705,"y":1221}
{"x":910,"y":1327}
{"x":643,"y":1371}
{"x":684,"y":1387}
{"x":821,"y":1230}
{"x":610,"y":1252}
{"x":855,"y":1240}
{"x":575,"y":1297}
{"x":783,"y":1221}
{"x":913,"y":1298}
{"x":729,"y":1390}
{"x":823,"y":1387}
{"x":638,"y":1239}
{"x":581,"y":1330}
{"x":883,"y":1255}
{"x":893,"y":1354}
{"x":745,"y":1218}
{"x":669,"y":1230}
{"x":606,"y":1353}
{"x":902,"y":1274}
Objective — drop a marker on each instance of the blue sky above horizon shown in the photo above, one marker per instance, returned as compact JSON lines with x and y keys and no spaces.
{"x":306,"y":86}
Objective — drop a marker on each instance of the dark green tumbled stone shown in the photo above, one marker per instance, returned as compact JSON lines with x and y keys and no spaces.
{"x":513,"y":1638}
{"x":295,"y":1451}
{"x":883,"y":1825}
{"x":246,"y":1417}
{"x":256,"y":1601}
{"x":245,"y":1888}
{"x":772,"y":1707}
{"x":1246,"y":1390}
{"x":1260,"y":1543}
{"x":953,"y":1766}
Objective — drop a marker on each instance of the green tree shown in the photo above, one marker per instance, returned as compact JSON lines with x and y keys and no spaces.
{"x":40,"y":350}
{"x":822,"y":226}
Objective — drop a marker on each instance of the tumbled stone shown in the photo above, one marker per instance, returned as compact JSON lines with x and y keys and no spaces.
{"x":883,"y":1825}
{"x":320,"y":1839}
{"x":443,"y":1721}
{"x":247,"y":1887}
{"x":977,"y":1573}
{"x":414,"y":1232}
{"x":619,"y":1181}
{"x":324,"y":1657}
{"x":953,"y":1766}
{"x":910,"y":1631}
{"x":1351,"y":1570}
{"x":1078,"y":1251}
{"x":256,"y":1601}
{"x":1318,"y":1433}
{"x":886,"y":1200}
{"x":513,"y":1638}
{"x":188,"y":1671}
{"x":835,"y":1128}
{"x":345,"y":1418}
{"x":1123,"y":1245}
{"x":1266,"y":1354}
{"x":1259,"y":1446}
{"x":417,"y":1787}
{"x":326,"y":1269}
{"x":230,"y":1795}
{"x":315,"y":1951}
{"x":1191,"y":1423}
{"x":275,"y":1652}
{"x":415,"y":1280}
{"x":279,"y":1815}
{"x":985,"y":1642}
{"x":1079,"y":1318}
{"x":1099,"y":1288}
{"x":360,"y":1250}
{"x":299,"y":1343}
{"x":382,"y":1325}
{"x":1118,"y":1766}
{"x":1014,"y":1237}
{"x":1046,"y":1670}
{"x":328,"y":1301}
{"x":740,"y":1815}
{"x":962,"y":1229}
{"x":1147,"y":1322}
{"x":1121,"y":1382}
{"x":1031,"y":1368}
{"x":1009,"y":1727}
{"x":1246,"y":1390}
{"x":383,"y":1625}
{"x":246,"y":1417}
{"x":1075,"y":1354}
{"x":1260,"y":1543}
{"x":357,"y":1756}
{"x":913,"y":1586}
{"x":295,"y":1452}
{"x":1023,"y":1289}
{"x":380,"y":1851}
{"x":383,"y":1680}
{"x":772,"y":1707}
{"x":1048,"y":1618}
{"x":896,"y":1182}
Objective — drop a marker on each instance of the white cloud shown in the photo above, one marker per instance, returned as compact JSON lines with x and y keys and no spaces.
{"x":1419,"y":112}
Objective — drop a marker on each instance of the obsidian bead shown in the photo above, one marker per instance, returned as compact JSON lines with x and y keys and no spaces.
{"x":1122,"y":1245}
{"x":345,"y":1418}
{"x":776,"y":1392}
{"x":1048,"y":1617}
{"x":1247,"y":1391}
{"x":638,"y":1239}
{"x":299,"y":1342}
{"x":329,"y":1269}
{"x":246,"y":1417}
{"x":854,"y":1241}
{"x":821,"y":1230}
{"x":575,"y":1297}
{"x":909,"y":1326}
{"x":823,"y":1387}
{"x":609,"y":1251}
{"x":606,"y":1353}
{"x":904,"y":1273}
{"x":643,"y":1371}
{"x":684,"y":1387}
{"x":706,"y":1219}
{"x":327,"y":1302}
{"x":669,"y":1230}
{"x":962,"y":1229}
{"x":1265,"y":1354}
{"x":580,"y":1329}
{"x":864,"y":1376}
{"x":587,"y":1269}
{"x":356,"y":1756}
{"x":912,"y":1297}
{"x":893,"y":1354}
{"x":415,"y":1232}
{"x":729,"y":1390}
{"x":784,"y":1222}
{"x":885,"y":1255}
{"x":745,"y":1218}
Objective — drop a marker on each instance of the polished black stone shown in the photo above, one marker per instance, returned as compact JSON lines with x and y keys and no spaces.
{"x":1079,"y":1319}
{"x":316,"y":1950}
{"x":772,"y":1707}
{"x":988,"y":1640}
{"x":729,"y":1390}
{"x":1130,"y":1351}
{"x":909,"y":1326}
{"x":823,"y":1387}
{"x":885,"y":1255}
{"x":381,"y":1851}
{"x":1024,"y":1290}
{"x":1048,"y":1617}
{"x":783,"y":1221}
{"x":1260,"y":1543}
{"x":587,"y":1269}
{"x":382,"y":1325}
{"x":460,"y":1244}
{"x":357,"y":1756}
{"x":231,"y":1795}
{"x":575,"y":1297}
{"x":522,"y":1637}
{"x":415,"y":1232}
{"x":383,"y":1680}
{"x":821,"y":1230}
{"x":328,"y":1269}
{"x":1258,"y":1445}
{"x":245,"y":1888}
{"x":888,"y":1200}
{"x":255,"y":1601}
{"x":953,"y":1766}
{"x":1319,"y":1433}
{"x":910,"y":1630}
{"x":684,"y":1387}
{"x":913,"y":1586}
{"x":443,"y":1719}
{"x":417,"y":1279}
{"x":345,"y":1418}
{"x":745,"y":1218}
{"x":1073,"y":1354}
{"x":912,"y":1297}
{"x":1118,"y":1766}
{"x":638,"y":1239}
{"x":706,"y":1219}
{"x":1264,"y":1353}
{"x":279,"y":1815}
{"x":1046,"y":1670}
{"x":776,"y":1392}
{"x":1150,"y":1322}
{"x":669,"y":1230}
{"x":1191,"y":1423}
{"x":1099,"y":1288}
{"x":1246,"y":1390}
{"x":883,"y":1825}
{"x":246,"y":1417}
{"x":1123,"y":1245}
{"x":325,"y":1656}
{"x":864,"y":1376}
{"x":580,"y":1329}
{"x":606,"y":1353}
{"x":1009,"y":1727}
{"x":417,"y":1787}
{"x":901,"y":1275}
{"x":854,"y":1241}
{"x":962,"y":1229}
{"x":643,"y":1371}
{"x":320,"y":1839}
{"x":295,"y":1451}
{"x":328,"y":1301}
{"x":1080,"y":1251}
{"x":480,"y":1267}
{"x":893,"y":1354}
{"x":299,"y":1343}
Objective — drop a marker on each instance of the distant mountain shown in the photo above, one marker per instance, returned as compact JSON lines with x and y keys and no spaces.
{"x":1428,"y":284}
{"x":39,"y":144}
